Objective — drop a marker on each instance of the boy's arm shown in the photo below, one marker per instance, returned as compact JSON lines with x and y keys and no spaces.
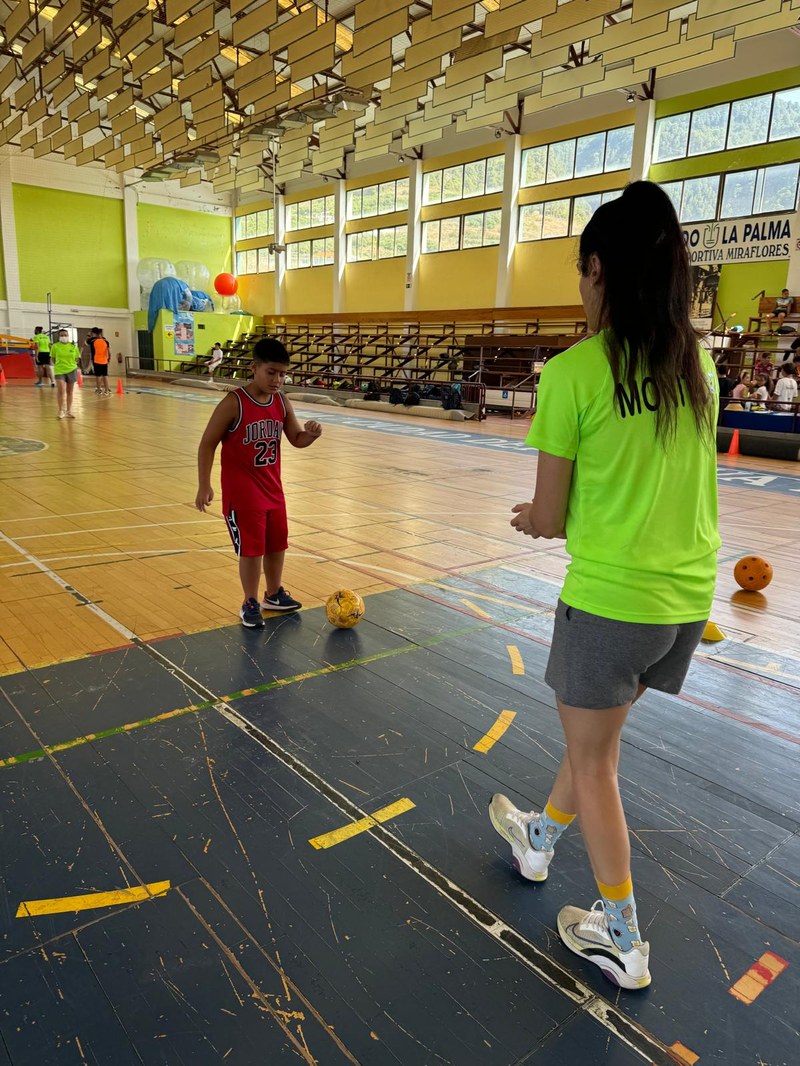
{"x":224,"y":415}
{"x":297,"y":435}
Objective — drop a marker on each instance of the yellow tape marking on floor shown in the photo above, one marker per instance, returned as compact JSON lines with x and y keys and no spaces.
{"x":336,"y":836}
{"x":517,"y":665}
{"x":70,"y":904}
{"x":497,"y":730}
{"x":684,"y":1054}
{"x":479,"y":611}
{"x":760,"y":975}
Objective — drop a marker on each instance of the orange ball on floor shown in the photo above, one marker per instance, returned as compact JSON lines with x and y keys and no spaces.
{"x":752,"y":573}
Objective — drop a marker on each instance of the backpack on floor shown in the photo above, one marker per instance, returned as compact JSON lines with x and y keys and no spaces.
{"x":451,"y":398}
{"x":395,"y":395}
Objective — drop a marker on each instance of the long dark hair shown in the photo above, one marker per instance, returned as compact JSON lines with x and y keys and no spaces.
{"x":646,"y":303}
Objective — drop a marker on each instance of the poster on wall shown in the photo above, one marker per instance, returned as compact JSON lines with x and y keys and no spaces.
{"x":705,"y":282}
{"x":741,"y":240}
{"x":184,"y":333}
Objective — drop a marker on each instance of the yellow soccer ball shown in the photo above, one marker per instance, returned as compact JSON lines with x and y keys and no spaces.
{"x":344,"y":609}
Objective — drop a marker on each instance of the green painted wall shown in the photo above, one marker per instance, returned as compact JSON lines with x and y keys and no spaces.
{"x":740,"y":281}
{"x":173,"y":233}
{"x":72,"y":245}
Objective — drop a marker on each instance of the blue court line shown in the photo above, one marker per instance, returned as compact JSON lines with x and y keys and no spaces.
{"x":785,"y":484}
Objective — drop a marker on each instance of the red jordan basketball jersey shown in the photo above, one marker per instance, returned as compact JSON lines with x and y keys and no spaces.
{"x":251,"y":454}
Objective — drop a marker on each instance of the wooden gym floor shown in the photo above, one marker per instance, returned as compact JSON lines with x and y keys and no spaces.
{"x":278,"y":840}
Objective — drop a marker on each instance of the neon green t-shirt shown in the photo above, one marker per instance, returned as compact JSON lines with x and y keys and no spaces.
{"x":65,"y":356}
{"x":641,"y":521}
{"x":42,"y":342}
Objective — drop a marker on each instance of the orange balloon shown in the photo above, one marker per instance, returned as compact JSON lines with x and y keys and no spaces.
{"x":752,"y":573}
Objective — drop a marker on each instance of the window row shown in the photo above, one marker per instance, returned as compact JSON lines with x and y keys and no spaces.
{"x":256,"y":224}
{"x":315,"y":253}
{"x":378,"y":199}
{"x":464,"y":231}
{"x":579,"y":157}
{"x":460,"y":182}
{"x":255,"y":261}
{"x":560,"y":218}
{"x":388,"y":243}
{"x":308,"y":213}
{"x":756,"y":120}
{"x":735,"y":195}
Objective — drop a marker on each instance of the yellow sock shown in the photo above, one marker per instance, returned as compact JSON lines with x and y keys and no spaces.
{"x":545,"y":830}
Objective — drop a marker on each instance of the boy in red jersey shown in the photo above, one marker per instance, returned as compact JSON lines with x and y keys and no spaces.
{"x":249,"y":423}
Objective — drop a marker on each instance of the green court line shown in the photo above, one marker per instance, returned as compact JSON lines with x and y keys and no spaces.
{"x":267,"y":686}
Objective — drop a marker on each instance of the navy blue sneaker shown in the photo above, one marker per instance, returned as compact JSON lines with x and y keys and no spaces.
{"x":250,"y":614}
{"x":280,"y":601}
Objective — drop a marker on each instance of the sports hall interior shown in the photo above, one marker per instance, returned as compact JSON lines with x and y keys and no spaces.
{"x":225,"y":845}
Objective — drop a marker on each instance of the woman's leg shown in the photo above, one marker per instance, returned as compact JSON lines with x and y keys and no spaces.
{"x":61,"y":393}
{"x":562,"y":794}
{"x":70,"y":385}
{"x":593,"y":740}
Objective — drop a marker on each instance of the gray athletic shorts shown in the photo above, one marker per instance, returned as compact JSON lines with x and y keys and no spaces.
{"x":70,"y":378}
{"x":598,"y":662}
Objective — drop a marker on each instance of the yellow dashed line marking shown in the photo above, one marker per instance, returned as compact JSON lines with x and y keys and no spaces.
{"x":336,"y":836}
{"x":479,"y":611}
{"x":517,"y":665}
{"x":498,"y":729}
{"x":71,"y":904}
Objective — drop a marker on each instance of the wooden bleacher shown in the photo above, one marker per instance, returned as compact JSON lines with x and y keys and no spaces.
{"x":486,"y":351}
{"x":766,"y":306}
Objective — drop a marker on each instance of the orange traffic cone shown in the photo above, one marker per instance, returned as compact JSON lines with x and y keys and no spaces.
{"x":2,"y":377}
{"x":734,"y":445}
{"x":120,"y":390}
{"x":80,"y":378}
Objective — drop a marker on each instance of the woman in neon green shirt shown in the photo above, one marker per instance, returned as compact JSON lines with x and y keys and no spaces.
{"x":65,"y":356}
{"x":627,"y":472}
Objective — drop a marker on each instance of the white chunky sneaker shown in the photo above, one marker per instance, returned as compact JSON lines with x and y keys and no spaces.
{"x":512,"y":825}
{"x":587,"y":934}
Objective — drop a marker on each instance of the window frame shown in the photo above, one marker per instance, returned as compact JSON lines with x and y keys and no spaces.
{"x":541,"y":205}
{"x":427,"y":227}
{"x":727,"y":146}
{"x":359,"y":193}
{"x":354,"y":241}
{"x":548,"y":180}
{"x":431,"y":174}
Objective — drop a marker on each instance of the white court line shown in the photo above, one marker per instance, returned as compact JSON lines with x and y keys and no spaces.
{"x":105,"y":510}
{"x":151,"y":553}
{"x":115,"y":529}
{"x":383,"y":569}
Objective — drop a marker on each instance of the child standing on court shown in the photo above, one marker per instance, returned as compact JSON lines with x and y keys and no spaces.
{"x":249,"y":423}
{"x":786,"y":387}
{"x":44,"y":364}
{"x":101,"y":352}
{"x":627,"y":471}
{"x":66,"y":357}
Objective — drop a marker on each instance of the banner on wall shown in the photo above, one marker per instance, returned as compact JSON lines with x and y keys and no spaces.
{"x":184,"y":333}
{"x":741,"y":240}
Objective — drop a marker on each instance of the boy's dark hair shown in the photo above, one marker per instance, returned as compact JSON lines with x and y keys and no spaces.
{"x":787,"y":369}
{"x":39,"y":329}
{"x":270,"y":350}
{"x":647,"y":296}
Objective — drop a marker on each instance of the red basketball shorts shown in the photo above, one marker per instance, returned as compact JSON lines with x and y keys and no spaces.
{"x":257,"y":532}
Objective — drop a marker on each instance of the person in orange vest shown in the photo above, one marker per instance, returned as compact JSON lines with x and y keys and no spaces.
{"x":101,"y":354}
